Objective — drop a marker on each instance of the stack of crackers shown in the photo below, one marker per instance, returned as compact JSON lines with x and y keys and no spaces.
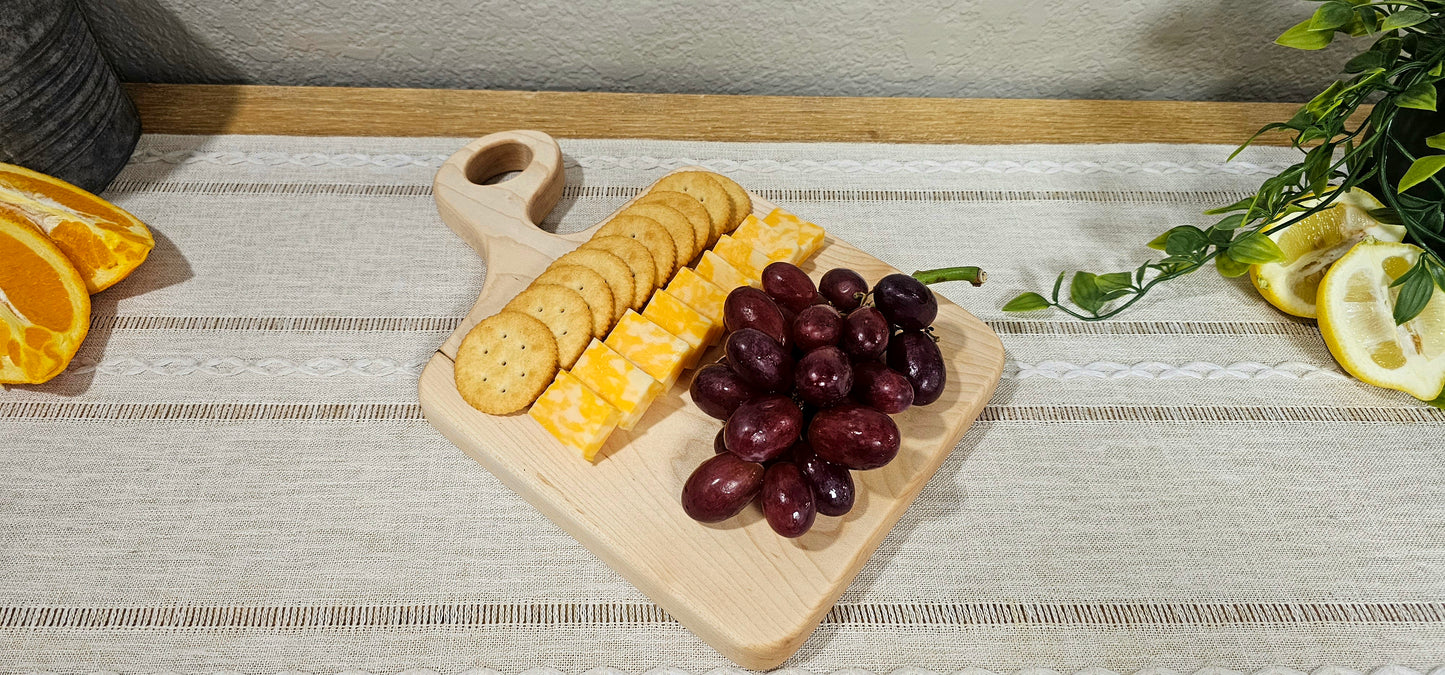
{"x":611,"y":324}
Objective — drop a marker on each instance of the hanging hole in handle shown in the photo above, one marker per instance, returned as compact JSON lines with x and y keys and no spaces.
{"x":498,"y":164}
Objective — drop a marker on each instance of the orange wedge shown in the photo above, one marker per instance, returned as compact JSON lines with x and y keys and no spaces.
{"x":103,"y":241}
{"x":44,"y":307}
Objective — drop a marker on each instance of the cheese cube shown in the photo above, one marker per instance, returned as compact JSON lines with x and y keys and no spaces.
{"x":674,"y":316}
{"x":810,"y":239}
{"x":617,"y":381}
{"x":810,"y":236}
{"x":722,"y":273}
{"x":777,"y":242}
{"x":741,"y":256}
{"x":656,"y":351}
{"x":699,"y":294}
{"x":575,"y":415}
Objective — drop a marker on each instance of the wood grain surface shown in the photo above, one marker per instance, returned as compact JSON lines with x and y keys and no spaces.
{"x":337,"y":111}
{"x":751,"y":594}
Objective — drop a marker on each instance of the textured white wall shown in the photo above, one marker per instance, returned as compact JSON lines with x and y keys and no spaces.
{"x":1128,"y":49}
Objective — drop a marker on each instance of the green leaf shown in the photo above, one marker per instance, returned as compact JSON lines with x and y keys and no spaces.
{"x":1229,"y":267}
{"x":1237,"y":206}
{"x":1405,"y":18}
{"x":1109,"y":283}
{"x":1331,"y":15}
{"x":1084,"y":291}
{"x":1420,"y":171}
{"x":1364,"y":61}
{"x":1028,"y":302}
{"x":1437,"y":70}
{"x":1230,"y":223}
{"x":1301,"y":37}
{"x":1437,"y":271}
{"x":1439,"y":402}
{"x":1420,"y":97}
{"x":1414,"y":294}
{"x":1185,"y":240}
{"x":1437,"y":141}
{"x":1256,"y":249}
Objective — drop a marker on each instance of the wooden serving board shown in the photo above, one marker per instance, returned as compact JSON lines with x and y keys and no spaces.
{"x":751,"y":594}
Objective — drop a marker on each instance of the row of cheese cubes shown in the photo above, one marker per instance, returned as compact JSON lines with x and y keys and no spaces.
{"x":614,"y":381}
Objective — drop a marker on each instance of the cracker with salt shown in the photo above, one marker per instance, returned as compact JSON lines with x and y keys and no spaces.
{"x":565,"y":313}
{"x":644,"y":273}
{"x":612,"y":269}
{"x":588,"y":284}
{"x":649,"y":233}
{"x":505,"y":362}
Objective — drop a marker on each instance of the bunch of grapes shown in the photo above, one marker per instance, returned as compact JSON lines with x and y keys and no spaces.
{"x":808,"y":381}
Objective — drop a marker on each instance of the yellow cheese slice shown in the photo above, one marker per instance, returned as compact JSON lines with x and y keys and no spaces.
{"x":699,"y":294}
{"x":722,"y":273}
{"x":674,"y":316}
{"x":656,"y":351}
{"x":810,"y":236}
{"x":810,"y":239}
{"x":741,"y":256}
{"x":616,"y":380}
{"x":777,"y":242}
{"x":575,"y":415}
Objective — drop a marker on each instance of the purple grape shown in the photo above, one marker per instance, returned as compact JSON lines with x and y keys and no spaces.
{"x":881,"y":388}
{"x":854,"y":436}
{"x":865,"y":333}
{"x":789,"y":286}
{"x":833,"y":489}
{"x":718,"y":446}
{"x":763,"y":429}
{"x":823,"y":377}
{"x":720,"y":488}
{"x":748,"y":307}
{"x":916,"y":356}
{"x":844,"y":288}
{"x":817,"y":326}
{"x":718,"y":391}
{"x":905,"y":301}
{"x":787,"y":498}
{"x":759,"y":360}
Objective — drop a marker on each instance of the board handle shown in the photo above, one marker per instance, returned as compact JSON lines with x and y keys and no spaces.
{"x":500,"y":220}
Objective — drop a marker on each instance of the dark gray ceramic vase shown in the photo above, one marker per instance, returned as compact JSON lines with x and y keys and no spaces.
{"x":62,"y":109}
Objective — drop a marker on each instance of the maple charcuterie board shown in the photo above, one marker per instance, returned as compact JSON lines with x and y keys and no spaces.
{"x":749,"y":593}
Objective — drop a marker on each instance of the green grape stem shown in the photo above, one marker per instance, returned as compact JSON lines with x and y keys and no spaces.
{"x":972,"y":275}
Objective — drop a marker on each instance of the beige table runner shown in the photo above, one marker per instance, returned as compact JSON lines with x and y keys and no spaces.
{"x":235,"y":475}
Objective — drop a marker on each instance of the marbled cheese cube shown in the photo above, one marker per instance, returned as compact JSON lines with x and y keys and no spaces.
{"x":777,"y":242}
{"x":810,"y":236}
{"x":699,"y":294}
{"x":649,"y":347}
{"x":741,"y":256}
{"x":722,"y":274}
{"x":575,"y":415}
{"x":617,"y":381}
{"x":674,"y":316}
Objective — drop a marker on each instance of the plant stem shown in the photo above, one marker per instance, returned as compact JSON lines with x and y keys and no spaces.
{"x":972,"y":275}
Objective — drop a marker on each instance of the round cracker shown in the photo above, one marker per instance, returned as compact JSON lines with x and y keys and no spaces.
{"x":588,"y":284}
{"x":613,"y":270}
{"x":700,"y":186}
{"x":684,"y":244}
{"x":742,"y":203}
{"x":565,"y":313}
{"x":644,"y":273}
{"x":505,"y":362}
{"x":690,"y":208}
{"x":649,"y":233}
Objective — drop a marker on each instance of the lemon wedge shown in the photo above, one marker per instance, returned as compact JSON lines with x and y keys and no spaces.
{"x":1313,"y":244}
{"x":1356,"y":313}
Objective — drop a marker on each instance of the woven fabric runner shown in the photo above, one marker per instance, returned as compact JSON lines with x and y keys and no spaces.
{"x":235,"y":475}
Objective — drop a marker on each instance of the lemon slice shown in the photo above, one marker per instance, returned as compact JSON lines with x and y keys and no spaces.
{"x":1311,"y":245}
{"x":1356,"y":306}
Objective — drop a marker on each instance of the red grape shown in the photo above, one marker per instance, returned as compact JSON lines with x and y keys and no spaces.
{"x":916,"y":356}
{"x":788,"y":500}
{"x":832,"y":484}
{"x":789,"y":286}
{"x":748,"y":307}
{"x":865,"y":333}
{"x":823,"y":377}
{"x":881,"y":388}
{"x":759,"y":360}
{"x":905,"y":301}
{"x":854,"y":436}
{"x":720,"y":488}
{"x":718,"y":391}
{"x":844,"y":288}
{"x":817,"y":326}
{"x":763,"y":429}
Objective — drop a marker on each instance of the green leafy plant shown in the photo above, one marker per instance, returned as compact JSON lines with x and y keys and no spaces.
{"x":1399,"y":72}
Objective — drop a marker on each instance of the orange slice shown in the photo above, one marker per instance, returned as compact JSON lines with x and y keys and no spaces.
{"x":44,"y":308}
{"x":103,"y":241}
